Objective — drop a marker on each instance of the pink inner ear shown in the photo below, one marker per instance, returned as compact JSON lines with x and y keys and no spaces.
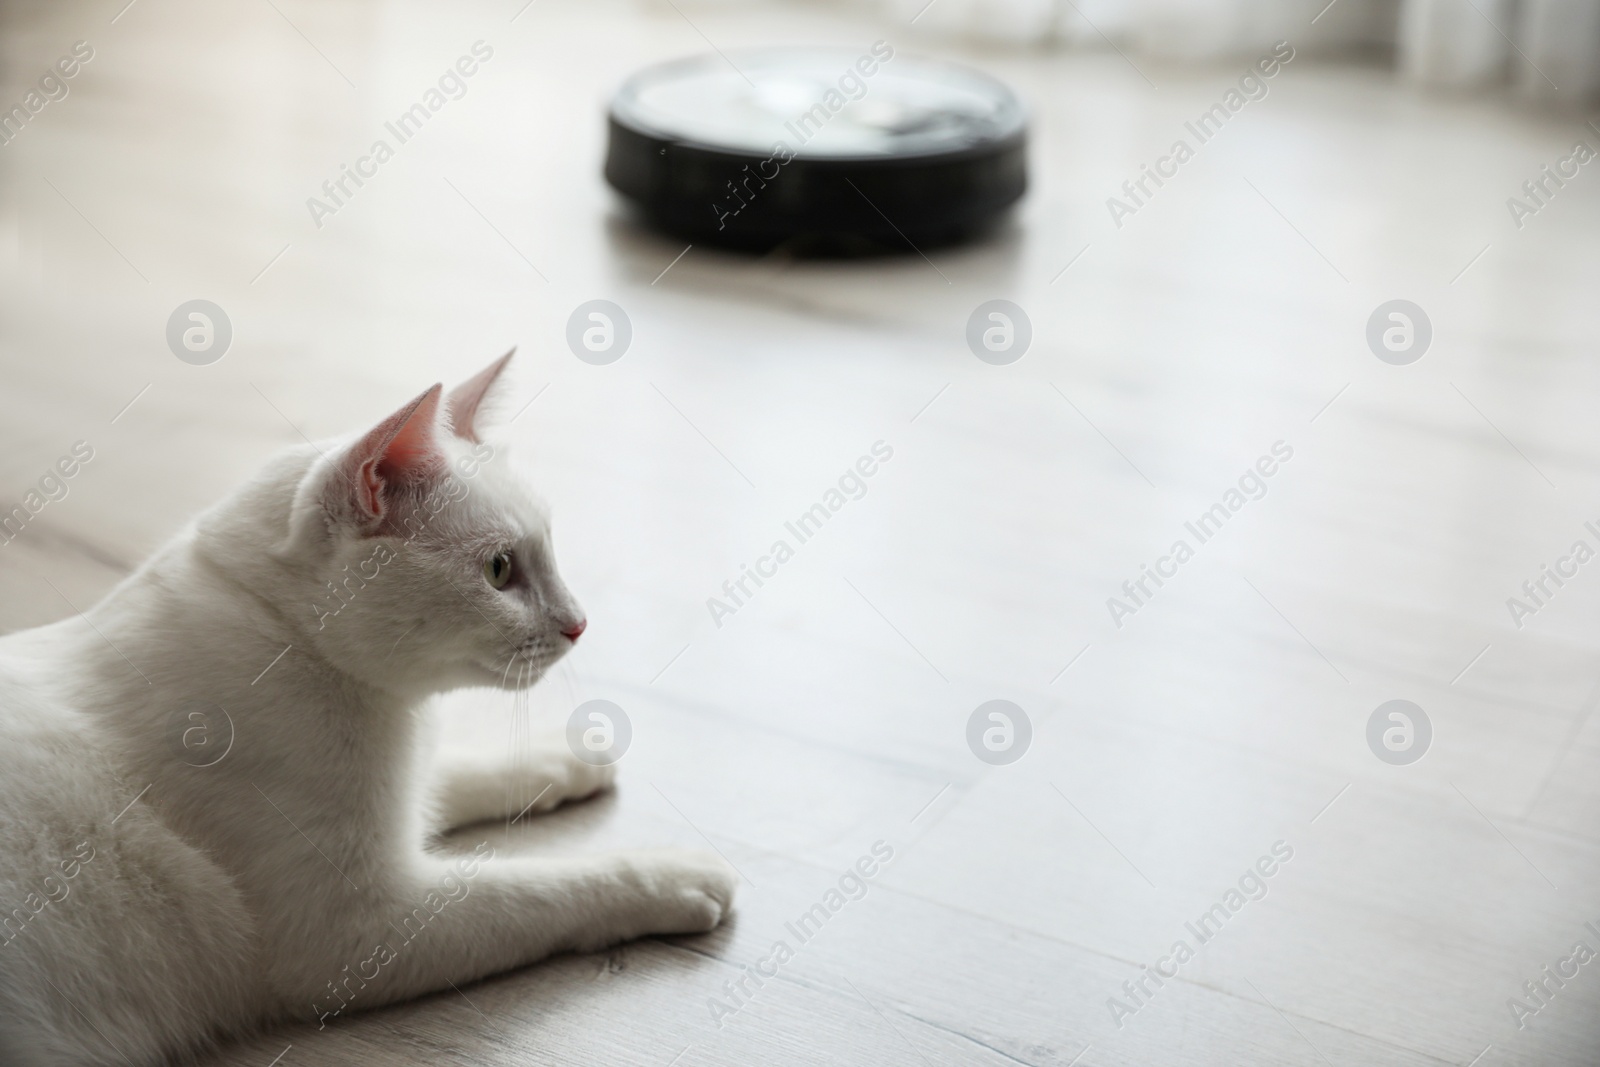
{"x":465,"y":398}
{"x":400,"y":449}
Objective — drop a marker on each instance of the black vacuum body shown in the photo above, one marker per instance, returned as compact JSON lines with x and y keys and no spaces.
{"x":827,"y":148}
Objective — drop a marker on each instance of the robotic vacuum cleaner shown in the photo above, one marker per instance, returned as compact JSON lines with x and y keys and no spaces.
{"x":833,"y":149}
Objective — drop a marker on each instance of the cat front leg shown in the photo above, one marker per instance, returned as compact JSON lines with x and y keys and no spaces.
{"x":471,"y":790}
{"x":472,"y":917}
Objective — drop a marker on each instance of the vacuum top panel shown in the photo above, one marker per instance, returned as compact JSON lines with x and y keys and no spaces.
{"x":821,"y":103}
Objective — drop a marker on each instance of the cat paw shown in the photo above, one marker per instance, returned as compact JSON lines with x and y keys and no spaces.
{"x":692,"y":892}
{"x":572,"y":779}
{"x":479,"y":791}
{"x":656,"y":891}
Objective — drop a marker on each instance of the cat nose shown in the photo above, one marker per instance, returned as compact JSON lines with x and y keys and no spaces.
{"x":573,"y":632}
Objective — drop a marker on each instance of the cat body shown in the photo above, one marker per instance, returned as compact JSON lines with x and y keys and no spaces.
{"x":225,"y":755}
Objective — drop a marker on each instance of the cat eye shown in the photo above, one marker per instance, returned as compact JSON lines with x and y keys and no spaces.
{"x":497,"y":572}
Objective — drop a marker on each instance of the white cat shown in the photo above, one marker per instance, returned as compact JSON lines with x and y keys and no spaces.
{"x":152,"y":902}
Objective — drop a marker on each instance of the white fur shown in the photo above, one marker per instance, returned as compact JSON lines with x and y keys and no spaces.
{"x":252,"y":889}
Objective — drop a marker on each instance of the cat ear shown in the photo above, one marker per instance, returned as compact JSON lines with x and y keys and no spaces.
{"x":465,"y":398}
{"x":400,"y":451}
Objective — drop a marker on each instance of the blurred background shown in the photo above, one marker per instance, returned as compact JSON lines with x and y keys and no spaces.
{"x":1221,"y":716}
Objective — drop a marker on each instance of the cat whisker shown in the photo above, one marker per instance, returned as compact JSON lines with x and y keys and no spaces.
{"x":507,"y":672}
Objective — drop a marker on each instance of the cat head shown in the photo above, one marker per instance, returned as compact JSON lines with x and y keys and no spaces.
{"x":426,"y":563}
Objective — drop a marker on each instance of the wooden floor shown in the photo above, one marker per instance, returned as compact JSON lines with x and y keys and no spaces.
{"x":1227,"y":714}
